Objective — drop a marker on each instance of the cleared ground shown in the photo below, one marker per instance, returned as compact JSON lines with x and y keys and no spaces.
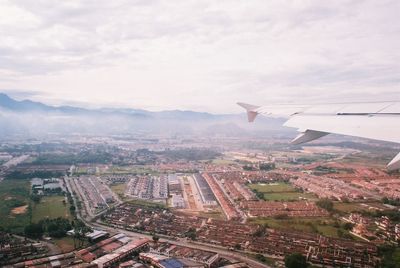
{"x":217,"y":214}
{"x":51,"y":207}
{"x":280,"y":191}
{"x":65,"y":244}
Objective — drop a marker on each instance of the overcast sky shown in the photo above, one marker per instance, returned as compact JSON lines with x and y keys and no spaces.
{"x":199,"y":55}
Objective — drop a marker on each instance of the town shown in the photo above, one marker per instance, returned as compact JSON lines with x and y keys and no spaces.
{"x":236,"y":208}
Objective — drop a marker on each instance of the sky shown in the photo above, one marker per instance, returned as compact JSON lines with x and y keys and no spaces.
{"x":199,"y":55}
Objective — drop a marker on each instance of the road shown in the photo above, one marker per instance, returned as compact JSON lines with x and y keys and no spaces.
{"x":222,"y":252}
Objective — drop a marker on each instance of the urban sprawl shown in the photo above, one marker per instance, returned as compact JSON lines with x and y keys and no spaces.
{"x":179,"y":202}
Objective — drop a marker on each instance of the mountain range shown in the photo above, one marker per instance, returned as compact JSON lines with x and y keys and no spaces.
{"x":32,"y":117}
{"x":11,"y":104}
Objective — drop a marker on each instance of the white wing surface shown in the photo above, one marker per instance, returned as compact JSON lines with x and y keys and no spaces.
{"x":376,"y":120}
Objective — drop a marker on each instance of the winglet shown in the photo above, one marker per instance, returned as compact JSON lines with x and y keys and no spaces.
{"x":251,"y":110}
{"x":395,"y":163}
{"x":308,"y":135}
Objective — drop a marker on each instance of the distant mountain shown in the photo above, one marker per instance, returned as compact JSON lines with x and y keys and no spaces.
{"x":28,"y":117}
{"x":30,"y":106}
{"x":25,"y":105}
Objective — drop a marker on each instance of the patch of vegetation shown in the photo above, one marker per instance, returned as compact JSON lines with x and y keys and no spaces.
{"x":324,"y":170}
{"x":18,"y":175}
{"x":88,"y":157}
{"x":191,"y":233}
{"x":190,"y":154}
{"x":393,"y":202}
{"x":261,"y":230}
{"x":53,"y":227}
{"x":267,"y":166}
{"x":296,"y":260}
{"x":390,"y":256}
{"x":325,"y":204}
{"x":14,"y":193}
{"x":393,"y":215}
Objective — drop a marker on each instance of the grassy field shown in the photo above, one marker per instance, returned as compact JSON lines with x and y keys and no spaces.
{"x":272,"y":187}
{"x":119,"y":189}
{"x":357,"y":207}
{"x":280,"y":192}
{"x":322,"y":226}
{"x":50,"y":207}
{"x":14,"y":194}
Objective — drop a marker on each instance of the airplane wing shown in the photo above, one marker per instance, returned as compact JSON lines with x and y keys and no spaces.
{"x":375,"y":120}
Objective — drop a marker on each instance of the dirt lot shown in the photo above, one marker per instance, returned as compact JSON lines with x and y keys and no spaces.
{"x":19,"y":210}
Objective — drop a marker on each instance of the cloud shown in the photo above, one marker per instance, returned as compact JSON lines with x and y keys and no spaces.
{"x":199,"y":54}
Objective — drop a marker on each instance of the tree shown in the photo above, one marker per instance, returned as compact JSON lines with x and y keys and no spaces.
{"x":191,"y":233}
{"x":80,"y":229}
{"x":296,"y":260}
{"x":348,"y":226}
{"x":34,"y":230}
{"x":36,"y":198}
{"x":261,"y":257}
{"x":326,"y":204}
{"x":156,"y":238}
{"x":267,"y":166}
{"x":56,"y":227}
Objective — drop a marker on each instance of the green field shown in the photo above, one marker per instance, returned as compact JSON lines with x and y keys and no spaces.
{"x":50,"y":207}
{"x":324,"y":226}
{"x":272,"y":187}
{"x":14,"y":194}
{"x":280,"y":191}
